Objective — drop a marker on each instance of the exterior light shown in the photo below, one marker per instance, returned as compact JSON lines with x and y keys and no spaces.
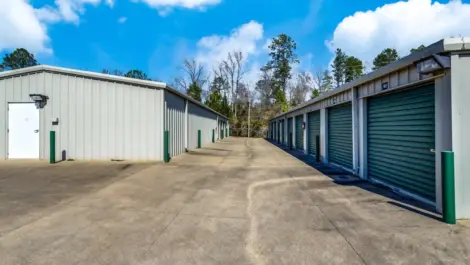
{"x":434,"y":63}
{"x":39,"y":100}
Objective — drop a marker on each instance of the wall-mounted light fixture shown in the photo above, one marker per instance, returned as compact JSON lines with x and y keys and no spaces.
{"x":433,"y":63}
{"x":39,"y":100}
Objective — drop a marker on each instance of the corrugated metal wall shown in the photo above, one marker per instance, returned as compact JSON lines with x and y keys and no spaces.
{"x":200,"y":119}
{"x":174,"y":122}
{"x":97,"y":119}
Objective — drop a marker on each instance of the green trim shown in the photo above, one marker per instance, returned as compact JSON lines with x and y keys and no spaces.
{"x":448,"y":187}
{"x":166,"y":147}
{"x":199,"y":136}
{"x":52,"y":147}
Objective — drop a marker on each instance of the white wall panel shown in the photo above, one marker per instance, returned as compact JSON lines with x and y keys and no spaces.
{"x":98,"y":119}
{"x":200,"y":119}
{"x":174,"y":122}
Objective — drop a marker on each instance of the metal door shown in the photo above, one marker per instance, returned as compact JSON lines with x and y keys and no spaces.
{"x":313,"y":131}
{"x":289,"y":132}
{"x":299,"y":132}
{"x":23,"y":131}
{"x":401,"y":140}
{"x":340,"y":150}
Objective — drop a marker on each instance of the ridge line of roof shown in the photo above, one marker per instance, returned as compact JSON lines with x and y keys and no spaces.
{"x":108,"y":77}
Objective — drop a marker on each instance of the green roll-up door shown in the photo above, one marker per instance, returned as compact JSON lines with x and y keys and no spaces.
{"x":340,"y":150}
{"x":289,"y":131}
{"x":299,"y":132}
{"x":313,"y":131}
{"x":401,"y":135}
{"x":283,"y":132}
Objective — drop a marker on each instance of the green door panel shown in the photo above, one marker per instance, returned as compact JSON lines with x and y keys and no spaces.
{"x":340,"y":145}
{"x":401,"y":134}
{"x":299,"y":132}
{"x":289,"y":131}
{"x":313,"y":131}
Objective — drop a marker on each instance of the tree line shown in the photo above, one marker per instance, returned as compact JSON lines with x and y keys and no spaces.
{"x":21,"y":58}
{"x":227,"y":90}
{"x":247,"y":103}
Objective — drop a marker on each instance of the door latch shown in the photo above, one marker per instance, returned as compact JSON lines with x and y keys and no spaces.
{"x":433,"y":150}
{"x":36,"y":131}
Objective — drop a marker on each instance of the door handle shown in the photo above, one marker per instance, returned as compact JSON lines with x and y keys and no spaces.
{"x":432,"y":150}
{"x":36,"y":131}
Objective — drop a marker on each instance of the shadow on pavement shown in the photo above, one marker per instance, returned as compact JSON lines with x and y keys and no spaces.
{"x":345,"y":178}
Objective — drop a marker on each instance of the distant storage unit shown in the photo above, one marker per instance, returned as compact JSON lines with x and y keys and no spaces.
{"x":391,"y":125}
{"x":97,"y":116}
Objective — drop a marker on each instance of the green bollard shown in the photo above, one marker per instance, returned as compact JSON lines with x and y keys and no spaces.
{"x":213,"y":135}
{"x":166,"y":147}
{"x":448,"y":187}
{"x":199,"y":139}
{"x":52,"y":147}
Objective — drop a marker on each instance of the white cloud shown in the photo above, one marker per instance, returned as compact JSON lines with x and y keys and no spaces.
{"x":164,"y":7}
{"x":110,"y":3}
{"x":401,"y":25}
{"x":122,"y":20}
{"x":30,"y":31}
{"x":48,"y":14}
{"x":27,"y":32}
{"x":246,"y":38}
{"x":71,"y":10}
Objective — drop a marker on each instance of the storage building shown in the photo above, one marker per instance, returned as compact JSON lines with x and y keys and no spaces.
{"x":97,"y":116}
{"x":391,"y":125}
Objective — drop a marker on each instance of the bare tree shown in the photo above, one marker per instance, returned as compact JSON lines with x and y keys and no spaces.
{"x":323,"y":81}
{"x":233,"y":69}
{"x":298,"y":89}
{"x":264,"y":86}
{"x":193,"y":74}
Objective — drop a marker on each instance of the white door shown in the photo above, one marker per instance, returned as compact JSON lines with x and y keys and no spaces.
{"x":23,"y":131}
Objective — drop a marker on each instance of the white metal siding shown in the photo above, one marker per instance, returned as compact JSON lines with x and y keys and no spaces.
{"x":174,"y":122}
{"x":460,"y":79}
{"x":200,"y":119}
{"x":97,"y":119}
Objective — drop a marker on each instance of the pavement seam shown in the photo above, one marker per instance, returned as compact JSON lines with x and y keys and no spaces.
{"x":321,"y":211}
{"x":178,"y":214}
{"x":56,"y":208}
{"x":329,"y":220}
{"x":158,"y":238}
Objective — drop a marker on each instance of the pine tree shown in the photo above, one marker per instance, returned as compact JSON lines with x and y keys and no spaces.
{"x":384,"y":58}
{"x":195,"y":92}
{"x":339,"y":67}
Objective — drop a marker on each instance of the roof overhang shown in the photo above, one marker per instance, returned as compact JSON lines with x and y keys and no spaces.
{"x":448,"y":45}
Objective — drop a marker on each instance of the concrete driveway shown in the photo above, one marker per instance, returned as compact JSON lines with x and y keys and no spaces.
{"x":235,"y":202}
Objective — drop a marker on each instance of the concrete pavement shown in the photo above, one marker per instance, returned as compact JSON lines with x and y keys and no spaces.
{"x":240,"y":201}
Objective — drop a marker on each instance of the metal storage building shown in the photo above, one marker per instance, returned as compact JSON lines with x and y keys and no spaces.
{"x":96,"y":116}
{"x":391,"y":125}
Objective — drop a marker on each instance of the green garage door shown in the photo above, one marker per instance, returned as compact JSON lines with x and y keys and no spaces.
{"x":299,"y":132}
{"x":283,"y":132}
{"x":313,"y":131}
{"x":289,"y":131}
{"x":401,"y":135}
{"x":340,"y":149}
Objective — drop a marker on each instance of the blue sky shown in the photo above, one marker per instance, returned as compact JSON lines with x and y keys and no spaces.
{"x":157,"y":35}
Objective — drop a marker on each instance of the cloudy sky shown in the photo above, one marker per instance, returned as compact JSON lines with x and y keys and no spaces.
{"x":156,"y":35}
